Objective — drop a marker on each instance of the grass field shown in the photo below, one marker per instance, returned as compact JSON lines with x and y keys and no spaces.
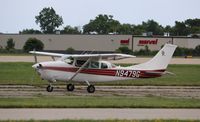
{"x":158,"y":120}
{"x":22,"y":73}
{"x":98,"y":102}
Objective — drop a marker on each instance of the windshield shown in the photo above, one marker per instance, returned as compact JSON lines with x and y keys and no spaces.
{"x":69,"y":60}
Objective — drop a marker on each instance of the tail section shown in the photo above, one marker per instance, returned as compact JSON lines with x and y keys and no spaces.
{"x":160,"y":61}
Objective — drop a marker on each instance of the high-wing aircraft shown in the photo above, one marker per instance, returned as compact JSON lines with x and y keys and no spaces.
{"x":92,"y":68}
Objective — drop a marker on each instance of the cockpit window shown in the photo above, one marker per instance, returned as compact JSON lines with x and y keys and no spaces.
{"x":104,"y":66}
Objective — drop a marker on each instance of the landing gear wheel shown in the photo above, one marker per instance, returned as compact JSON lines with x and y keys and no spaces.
{"x":70,"y":87}
{"x":49,"y":88}
{"x":91,"y":89}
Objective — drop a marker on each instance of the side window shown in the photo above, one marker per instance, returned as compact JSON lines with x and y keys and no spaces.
{"x":104,"y":66}
{"x":79,"y":63}
{"x":94,"y":64}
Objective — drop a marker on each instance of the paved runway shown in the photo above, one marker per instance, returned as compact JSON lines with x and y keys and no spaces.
{"x":99,"y":114}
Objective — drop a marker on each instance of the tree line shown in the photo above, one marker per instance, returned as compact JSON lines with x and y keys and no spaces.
{"x":49,"y":21}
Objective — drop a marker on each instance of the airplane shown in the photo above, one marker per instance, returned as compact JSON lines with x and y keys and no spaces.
{"x":93,"y":68}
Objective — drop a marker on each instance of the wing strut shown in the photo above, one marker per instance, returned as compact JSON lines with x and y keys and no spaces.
{"x":53,"y":58}
{"x":80,"y":69}
{"x":35,"y":56}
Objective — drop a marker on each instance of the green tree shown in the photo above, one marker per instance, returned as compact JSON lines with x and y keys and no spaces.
{"x":139,"y":29}
{"x":180,"y":29}
{"x":124,"y":50}
{"x":70,"y":30}
{"x":126,"y":29}
{"x":48,"y":20}
{"x":153,"y":26}
{"x":10,"y":44}
{"x":193,"y":25}
{"x":197,"y":50}
{"x":70,"y":50}
{"x":33,"y":44}
{"x":168,"y":28}
{"x":30,"y":31}
{"x":102,"y":24}
{"x":113,"y":25}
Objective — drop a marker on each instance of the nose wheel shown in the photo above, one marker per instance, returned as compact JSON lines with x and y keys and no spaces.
{"x":49,"y":88}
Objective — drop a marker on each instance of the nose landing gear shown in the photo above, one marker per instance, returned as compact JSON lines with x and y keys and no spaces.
{"x":90,"y":88}
{"x":49,"y":88}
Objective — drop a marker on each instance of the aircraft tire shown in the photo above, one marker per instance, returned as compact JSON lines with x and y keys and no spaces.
{"x":49,"y":88}
{"x":70,"y":87}
{"x":91,"y":89}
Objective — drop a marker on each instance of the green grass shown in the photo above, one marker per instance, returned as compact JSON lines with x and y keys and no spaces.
{"x":22,"y":73}
{"x":98,"y":102}
{"x":18,"y":73}
{"x":158,"y":120}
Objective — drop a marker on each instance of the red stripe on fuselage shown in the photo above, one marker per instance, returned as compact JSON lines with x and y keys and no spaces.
{"x":108,"y":72}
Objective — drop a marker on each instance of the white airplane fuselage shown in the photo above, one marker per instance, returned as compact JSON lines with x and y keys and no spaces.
{"x":61,"y":71}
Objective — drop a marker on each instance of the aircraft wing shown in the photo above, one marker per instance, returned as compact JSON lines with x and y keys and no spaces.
{"x":112,"y":56}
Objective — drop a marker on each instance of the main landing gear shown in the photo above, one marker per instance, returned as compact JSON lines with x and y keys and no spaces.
{"x":90,"y":88}
{"x":70,"y":87}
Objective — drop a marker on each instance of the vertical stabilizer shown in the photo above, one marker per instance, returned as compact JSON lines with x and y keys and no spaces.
{"x":160,"y":60}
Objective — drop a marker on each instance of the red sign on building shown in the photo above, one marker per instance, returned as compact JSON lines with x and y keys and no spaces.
{"x":148,"y":42}
{"x":125,"y":42}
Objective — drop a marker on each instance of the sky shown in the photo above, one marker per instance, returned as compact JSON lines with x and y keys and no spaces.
{"x":17,"y":15}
